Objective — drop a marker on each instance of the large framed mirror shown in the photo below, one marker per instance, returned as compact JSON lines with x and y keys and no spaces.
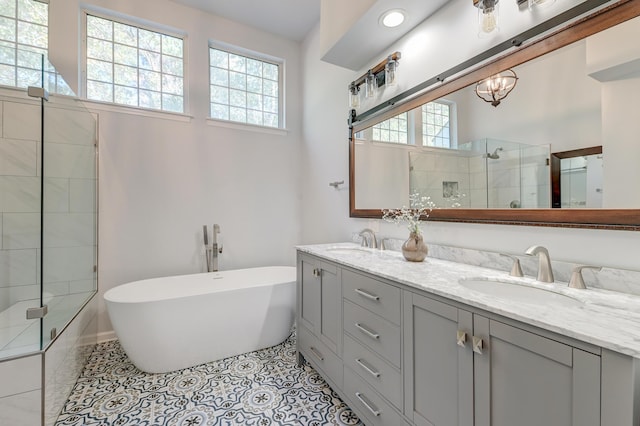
{"x":493,"y":164}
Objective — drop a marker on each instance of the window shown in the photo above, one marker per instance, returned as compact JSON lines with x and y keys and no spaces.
{"x":244,"y":89}
{"x":23,"y":43}
{"x":430,"y":125}
{"x":394,"y":129}
{"x":133,"y":66}
{"x":436,"y":124}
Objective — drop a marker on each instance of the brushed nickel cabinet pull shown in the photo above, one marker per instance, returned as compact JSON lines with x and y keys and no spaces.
{"x":367,"y":294}
{"x":367,"y":368}
{"x":478,"y":345}
{"x":367,"y":404}
{"x":316,"y":353}
{"x":369,"y":333}
{"x":461,"y":338}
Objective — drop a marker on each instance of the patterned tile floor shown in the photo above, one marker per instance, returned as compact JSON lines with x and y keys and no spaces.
{"x":263,"y":388}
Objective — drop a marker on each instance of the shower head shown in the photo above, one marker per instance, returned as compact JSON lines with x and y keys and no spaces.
{"x":494,"y":155}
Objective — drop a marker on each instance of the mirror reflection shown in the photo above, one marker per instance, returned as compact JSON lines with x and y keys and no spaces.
{"x":461,"y":150}
{"x":576,"y":178}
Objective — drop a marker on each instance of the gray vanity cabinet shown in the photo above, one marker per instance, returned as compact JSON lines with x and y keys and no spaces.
{"x":319,"y":315}
{"x":438,"y":372}
{"x":464,"y":369}
{"x":400,"y":356}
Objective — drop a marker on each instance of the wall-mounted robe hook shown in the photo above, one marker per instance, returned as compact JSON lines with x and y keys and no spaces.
{"x":336,"y":184}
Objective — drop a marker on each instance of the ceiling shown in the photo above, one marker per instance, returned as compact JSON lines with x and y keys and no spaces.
{"x":292,"y":19}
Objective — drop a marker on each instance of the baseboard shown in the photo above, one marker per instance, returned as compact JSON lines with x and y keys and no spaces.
{"x":106,"y":336}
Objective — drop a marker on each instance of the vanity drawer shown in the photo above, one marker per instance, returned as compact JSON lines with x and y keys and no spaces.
{"x":370,"y":367}
{"x":378,"y":297}
{"x":365,"y":401}
{"x":320,"y":356}
{"x":373,"y":331}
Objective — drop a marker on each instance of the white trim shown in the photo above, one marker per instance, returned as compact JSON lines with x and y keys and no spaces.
{"x":126,"y":109}
{"x":15,"y":93}
{"x":248,"y":127}
{"x":106,"y":336}
{"x":262,"y":57}
{"x":131,"y":20}
{"x":139,"y":23}
{"x":231,"y":48}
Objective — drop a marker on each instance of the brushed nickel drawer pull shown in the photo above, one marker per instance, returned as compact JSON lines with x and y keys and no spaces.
{"x":369,"y":333}
{"x":366,"y":404}
{"x":367,"y":368}
{"x":316,"y":353}
{"x":367,"y":295}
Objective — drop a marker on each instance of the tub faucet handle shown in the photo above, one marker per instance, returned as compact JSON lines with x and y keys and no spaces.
{"x":577,"y":280}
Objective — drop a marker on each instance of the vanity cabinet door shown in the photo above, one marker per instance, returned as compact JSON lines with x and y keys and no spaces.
{"x":319,"y":300}
{"x":438,"y":363}
{"x":525,"y":379}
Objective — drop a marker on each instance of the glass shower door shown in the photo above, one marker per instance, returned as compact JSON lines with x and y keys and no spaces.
{"x":69,"y":221}
{"x":48,"y":210}
{"x":19,"y":224}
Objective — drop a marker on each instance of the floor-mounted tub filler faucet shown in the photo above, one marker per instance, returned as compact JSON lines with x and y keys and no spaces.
{"x":545,"y":273}
{"x":212,"y":251}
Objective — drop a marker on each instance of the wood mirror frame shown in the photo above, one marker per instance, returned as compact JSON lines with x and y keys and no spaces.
{"x":619,"y":219}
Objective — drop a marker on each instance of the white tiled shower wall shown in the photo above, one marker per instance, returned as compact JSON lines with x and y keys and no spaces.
{"x":19,"y":201}
{"x":69,"y":201}
{"x":484,"y":182}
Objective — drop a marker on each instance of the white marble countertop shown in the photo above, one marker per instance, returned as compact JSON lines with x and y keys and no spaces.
{"x":604,"y":318}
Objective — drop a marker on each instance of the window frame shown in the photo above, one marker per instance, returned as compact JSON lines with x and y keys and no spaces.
{"x":140,"y":24}
{"x":453,"y":125}
{"x":53,"y":81}
{"x":262,"y":57}
{"x":409,"y":119}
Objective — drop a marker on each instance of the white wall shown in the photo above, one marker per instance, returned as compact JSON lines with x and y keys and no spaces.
{"x":163,"y":176}
{"x":554,"y":102}
{"x":325,"y":154}
{"x":385,"y":178}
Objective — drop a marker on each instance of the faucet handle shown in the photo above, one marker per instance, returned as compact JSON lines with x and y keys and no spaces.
{"x":577,"y":280}
{"x":516,"y":269}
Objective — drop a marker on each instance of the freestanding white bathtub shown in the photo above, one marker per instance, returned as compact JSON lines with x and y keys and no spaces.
{"x":165,"y":324}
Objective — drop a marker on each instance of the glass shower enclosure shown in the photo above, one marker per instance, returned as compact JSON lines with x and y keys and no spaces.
{"x":485,"y":173}
{"x":48,"y":212}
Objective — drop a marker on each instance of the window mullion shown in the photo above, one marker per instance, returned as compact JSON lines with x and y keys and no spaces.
{"x":125,"y":40}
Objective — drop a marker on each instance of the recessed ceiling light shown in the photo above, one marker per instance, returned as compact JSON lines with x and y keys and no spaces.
{"x":392,"y":18}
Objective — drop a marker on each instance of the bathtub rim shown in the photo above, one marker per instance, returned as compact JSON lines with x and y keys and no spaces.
{"x":122,"y":293}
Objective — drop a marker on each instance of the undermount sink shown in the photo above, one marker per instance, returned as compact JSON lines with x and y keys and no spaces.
{"x":348,"y":250}
{"x":520,"y":293}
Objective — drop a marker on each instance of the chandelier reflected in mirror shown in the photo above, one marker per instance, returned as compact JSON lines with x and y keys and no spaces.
{"x":495,"y":88}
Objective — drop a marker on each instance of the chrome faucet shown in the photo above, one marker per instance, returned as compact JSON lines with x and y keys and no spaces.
{"x":545,"y":272}
{"x":371,"y":242}
{"x":212,"y":251}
